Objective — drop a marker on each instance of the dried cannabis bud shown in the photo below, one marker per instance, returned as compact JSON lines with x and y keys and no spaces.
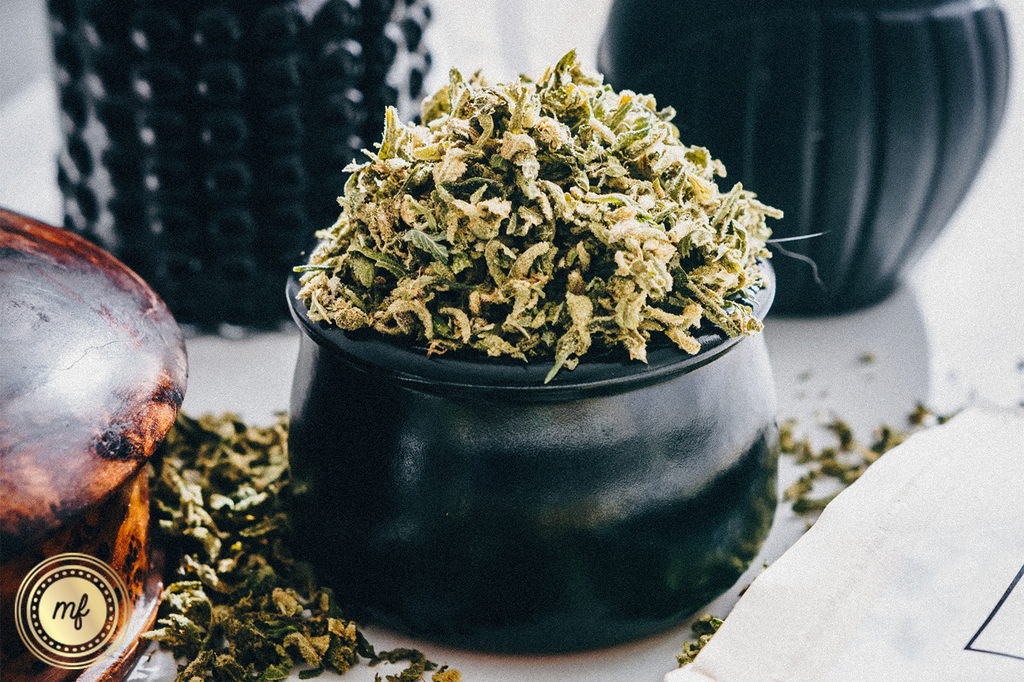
{"x":243,"y":609}
{"x":703,"y":630}
{"x":539,"y":219}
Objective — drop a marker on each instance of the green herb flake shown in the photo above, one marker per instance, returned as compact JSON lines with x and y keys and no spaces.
{"x":446,"y":674}
{"x":508,"y":199}
{"x":703,"y":628}
{"x":242,"y":609}
{"x":844,"y":463}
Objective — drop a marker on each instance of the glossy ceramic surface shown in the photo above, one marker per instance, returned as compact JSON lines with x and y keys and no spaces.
{"x":94,"y":372}
{"x":463,"y":501}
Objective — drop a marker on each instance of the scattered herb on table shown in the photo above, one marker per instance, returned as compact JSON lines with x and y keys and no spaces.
{"x":846,"y":461}
{"x":539,"y":219}
{"x":703,"y":629}
{"x":242,"y":610}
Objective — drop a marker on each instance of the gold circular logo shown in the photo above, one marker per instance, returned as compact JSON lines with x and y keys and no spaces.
{"x":71,"y":610}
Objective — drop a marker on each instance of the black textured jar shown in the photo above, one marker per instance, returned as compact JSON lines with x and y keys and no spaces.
{"x":461,"y":500}
{"x":864,"y":119}
{"x":205,"y":140}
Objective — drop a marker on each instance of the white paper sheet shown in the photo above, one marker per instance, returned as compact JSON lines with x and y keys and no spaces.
{"x":912,"y":573}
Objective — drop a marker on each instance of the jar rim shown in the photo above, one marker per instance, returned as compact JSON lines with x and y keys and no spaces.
{"x":601,"y":373}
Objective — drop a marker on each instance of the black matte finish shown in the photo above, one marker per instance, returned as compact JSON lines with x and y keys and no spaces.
{"x":864,"y":119}
{"x":463,"y":501}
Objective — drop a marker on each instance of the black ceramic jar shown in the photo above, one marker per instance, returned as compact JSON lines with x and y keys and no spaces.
{"x":865,"y":120}
{"x":461,"y":500}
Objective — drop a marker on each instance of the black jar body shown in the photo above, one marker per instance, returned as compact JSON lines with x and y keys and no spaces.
{"x":465,"y":502}
{"x":205,"y":141}
{"x":865,"y":120}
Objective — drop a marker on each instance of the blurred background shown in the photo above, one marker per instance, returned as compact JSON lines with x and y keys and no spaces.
{"x":28,"y":58}
{"x":503,"y":38}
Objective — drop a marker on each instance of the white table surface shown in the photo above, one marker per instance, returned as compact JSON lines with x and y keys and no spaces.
{"x":951,"y":336}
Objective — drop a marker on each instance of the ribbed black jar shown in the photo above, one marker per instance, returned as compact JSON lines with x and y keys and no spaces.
{"x":461,"y":500}
{"x":863,"y":119}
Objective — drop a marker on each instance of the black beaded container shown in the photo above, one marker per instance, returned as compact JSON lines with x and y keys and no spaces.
{"x":206,"y":140}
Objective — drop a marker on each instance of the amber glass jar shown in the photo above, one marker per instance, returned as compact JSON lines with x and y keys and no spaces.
{"x":93,"y":374}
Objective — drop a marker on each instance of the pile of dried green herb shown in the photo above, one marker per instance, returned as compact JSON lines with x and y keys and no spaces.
{"x":242,"y":609}
{"x":539,"y":219}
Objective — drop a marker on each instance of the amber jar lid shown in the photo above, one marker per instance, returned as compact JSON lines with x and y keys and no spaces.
{"x":92,"y":373}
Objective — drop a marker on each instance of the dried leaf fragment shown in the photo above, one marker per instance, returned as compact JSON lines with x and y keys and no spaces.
{"x":252,"y":615}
